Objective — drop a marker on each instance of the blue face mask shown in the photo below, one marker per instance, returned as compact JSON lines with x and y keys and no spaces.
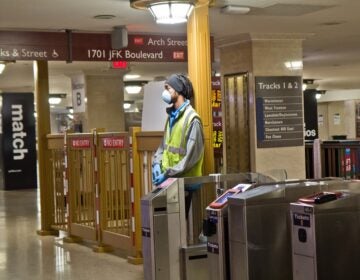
{"x":166,"y":96}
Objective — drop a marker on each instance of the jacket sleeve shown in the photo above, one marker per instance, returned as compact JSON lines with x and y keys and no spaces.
{"x":194,"y":150}
{"x":157,"y":157}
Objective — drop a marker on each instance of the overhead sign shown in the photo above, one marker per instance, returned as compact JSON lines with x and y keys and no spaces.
{"x":22,"y":45}
{"x":18,"y":45}
{"x":279,"y":107}
{"x":141,"y":48}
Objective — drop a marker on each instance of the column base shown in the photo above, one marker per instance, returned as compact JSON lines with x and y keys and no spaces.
{"x":135,"y":260}
{"x":101,"y":248}
{"x":72,"y":239}
{"x":43,"y":232}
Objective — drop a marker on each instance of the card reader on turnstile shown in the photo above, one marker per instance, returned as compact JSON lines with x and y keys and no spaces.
{"x":215,"y":228}
{"x":326,"y":236}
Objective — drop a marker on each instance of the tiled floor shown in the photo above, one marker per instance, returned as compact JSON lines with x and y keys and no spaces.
{"x":25,"y":256}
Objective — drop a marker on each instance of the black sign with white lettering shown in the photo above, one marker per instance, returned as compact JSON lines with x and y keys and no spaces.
{"x":310,"y":114}
{"x":279,"y":111}
{"x":18,"y":142}
{"x":302,"y":220}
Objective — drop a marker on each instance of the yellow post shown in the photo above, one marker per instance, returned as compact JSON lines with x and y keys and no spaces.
{"x":41,"y":78}
{"x":137,"y":258}
{"x":199,"y":67}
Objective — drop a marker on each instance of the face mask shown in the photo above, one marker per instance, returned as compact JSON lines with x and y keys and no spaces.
{"x":166,"y":96}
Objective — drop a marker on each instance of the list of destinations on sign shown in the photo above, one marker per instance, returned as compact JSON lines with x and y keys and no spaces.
{"x":279,"y":111}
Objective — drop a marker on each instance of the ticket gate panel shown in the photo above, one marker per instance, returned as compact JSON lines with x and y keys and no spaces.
{"x":161,"y":243}
{"x":163,"y":231}
{"x":326,"y":239}
{"x":259,"y":225}
{"x":217,"y":233}
{"x":194,"y":260}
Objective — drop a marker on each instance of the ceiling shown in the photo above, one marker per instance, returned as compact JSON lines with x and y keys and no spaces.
{"x":331,"y":52}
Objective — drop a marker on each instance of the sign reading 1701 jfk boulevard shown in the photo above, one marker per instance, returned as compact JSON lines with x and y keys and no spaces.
{"x":279,"y":111}
{"x":25,"y":45}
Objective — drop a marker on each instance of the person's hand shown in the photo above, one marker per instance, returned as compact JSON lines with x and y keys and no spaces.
{"x":159,"y":179}
{"x":156,"y":171}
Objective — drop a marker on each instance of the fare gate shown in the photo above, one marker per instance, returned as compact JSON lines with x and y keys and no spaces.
{"x":115,"y":190}
{"x":97,"y":182}
{"x":81,"y":186}
{"x":56,"y":147}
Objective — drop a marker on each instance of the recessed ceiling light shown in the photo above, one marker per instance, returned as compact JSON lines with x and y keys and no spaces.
{"x":104,"y":16}
{"x":133,"y":89}
{"x":131,"y":76}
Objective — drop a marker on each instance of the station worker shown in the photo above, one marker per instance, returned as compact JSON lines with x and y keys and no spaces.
{"x":181,"y":152}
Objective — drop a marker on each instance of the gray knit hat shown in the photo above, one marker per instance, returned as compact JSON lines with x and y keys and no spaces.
{"x":181,"y":84}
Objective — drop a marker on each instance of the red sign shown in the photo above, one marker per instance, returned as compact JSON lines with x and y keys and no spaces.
{"x":138,"y":41}
{"x":119,"y":64}
{"x":80,"y":143}
{"x":19,"y":45}
{"x":178,"y":55}
{"x":114,"y":142}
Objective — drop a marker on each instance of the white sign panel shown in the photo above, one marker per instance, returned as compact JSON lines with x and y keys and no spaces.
{"x":78,"y":93}
{"x":154,"y":108}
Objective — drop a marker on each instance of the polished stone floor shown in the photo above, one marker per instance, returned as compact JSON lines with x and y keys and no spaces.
{"x":25,"y":256}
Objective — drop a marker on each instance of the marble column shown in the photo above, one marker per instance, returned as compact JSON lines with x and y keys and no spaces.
{"x":104,"y":106}
{"x":265,"y":55}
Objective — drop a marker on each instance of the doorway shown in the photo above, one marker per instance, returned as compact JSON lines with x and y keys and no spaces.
{"x":236,"y":120}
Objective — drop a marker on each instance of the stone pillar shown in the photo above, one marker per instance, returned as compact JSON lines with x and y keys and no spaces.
{"x":105,"y":98}
{"x":265,"y":55}
{"x":41,"y":84}
{"x":199,"y":67}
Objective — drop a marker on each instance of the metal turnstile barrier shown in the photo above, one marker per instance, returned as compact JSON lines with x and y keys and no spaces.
{"x":216,"y":224}
{"x":216,"y":230}
{"x":163,"y":230}
{"x":326,"y":236}
{"x":169,"y":253}
{"x":259,"y":228}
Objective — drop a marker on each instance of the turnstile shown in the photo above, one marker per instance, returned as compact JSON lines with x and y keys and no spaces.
{"x":259,"y":229}
{"x":216,"y":230}
{"x":326,"y":236}
{"x":166,"y":253}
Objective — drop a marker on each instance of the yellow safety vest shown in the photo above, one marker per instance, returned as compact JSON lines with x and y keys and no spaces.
{"x":175,"y":144}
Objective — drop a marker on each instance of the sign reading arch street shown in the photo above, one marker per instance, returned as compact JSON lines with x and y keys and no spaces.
{"x":72,"y":46}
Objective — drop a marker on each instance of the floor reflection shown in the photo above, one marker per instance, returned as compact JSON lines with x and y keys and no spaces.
{"x":25,"y":255}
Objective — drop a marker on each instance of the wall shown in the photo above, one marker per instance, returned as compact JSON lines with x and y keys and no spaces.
{"x":338,"y":109}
